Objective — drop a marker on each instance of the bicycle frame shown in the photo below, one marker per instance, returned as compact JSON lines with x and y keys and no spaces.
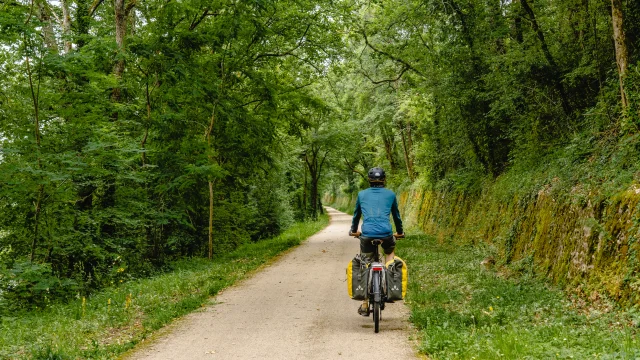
{"x":377,"y":285}
{"x":377,"y":290}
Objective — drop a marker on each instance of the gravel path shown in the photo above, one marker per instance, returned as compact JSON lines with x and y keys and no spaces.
{"x":295,"y":308}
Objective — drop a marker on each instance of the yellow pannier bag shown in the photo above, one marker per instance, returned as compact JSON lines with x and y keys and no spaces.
{"x":396,"y":279}
{"x":357,"y":274}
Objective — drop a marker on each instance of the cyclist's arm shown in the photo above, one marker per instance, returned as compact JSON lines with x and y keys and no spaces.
{"x":357,"y":213}
{"x":395,"y":212}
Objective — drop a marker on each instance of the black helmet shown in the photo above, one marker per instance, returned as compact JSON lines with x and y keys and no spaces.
{"x":376,"y":175}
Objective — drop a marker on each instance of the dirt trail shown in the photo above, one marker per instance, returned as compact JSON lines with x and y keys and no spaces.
{"x":296,"y":308}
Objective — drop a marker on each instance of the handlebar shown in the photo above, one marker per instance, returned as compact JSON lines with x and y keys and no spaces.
{"x":357,"y":235}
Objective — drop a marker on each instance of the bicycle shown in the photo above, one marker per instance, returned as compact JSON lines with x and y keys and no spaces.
{"x":377,"y":284}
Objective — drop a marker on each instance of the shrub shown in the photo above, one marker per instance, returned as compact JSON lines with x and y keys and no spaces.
{"x":27,"y":285}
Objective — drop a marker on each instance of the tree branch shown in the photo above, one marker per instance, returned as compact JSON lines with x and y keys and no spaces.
{"x":30,"y":13}
{"x":404,"y":69}
{"x":547,"y":54}
{"x":308,"y":62}
{"x":52,"y":13}
{"x":353,"y":168}
{"x":392,"y":57}
{"x":129,"y":7}
{"x":248,"y":103}
{"x":288,"y":52}
{"x":94,"y":6}
{"x":322,"y":163}
{"x":197,"y":22}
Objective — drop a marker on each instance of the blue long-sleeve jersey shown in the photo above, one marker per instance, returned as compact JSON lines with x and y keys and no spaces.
{"x":375,"y":204}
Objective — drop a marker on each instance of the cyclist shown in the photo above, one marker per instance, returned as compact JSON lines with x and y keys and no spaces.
{"x":375,"y":204}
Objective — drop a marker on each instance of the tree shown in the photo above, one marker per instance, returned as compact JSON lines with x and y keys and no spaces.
{"x":622,"y":60}
{"x":138,"y":132}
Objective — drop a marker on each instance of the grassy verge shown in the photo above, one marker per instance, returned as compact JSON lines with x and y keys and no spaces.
{"x":463,"y":310}
{"x":114,"y":320}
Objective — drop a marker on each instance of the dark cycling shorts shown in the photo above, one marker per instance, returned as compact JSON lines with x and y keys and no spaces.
{"x":388,"y":244}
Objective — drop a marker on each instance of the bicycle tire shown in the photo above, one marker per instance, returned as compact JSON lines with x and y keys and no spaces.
{"x":377,"y":298}
{"x":376,"y":317}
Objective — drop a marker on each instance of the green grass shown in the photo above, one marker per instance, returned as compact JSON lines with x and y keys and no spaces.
{"x":465,"y":311}
{"x":114,"y":320}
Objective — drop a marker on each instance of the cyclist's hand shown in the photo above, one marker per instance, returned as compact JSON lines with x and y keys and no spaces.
{"x":398,"y":236}
{"x":355,"y":234}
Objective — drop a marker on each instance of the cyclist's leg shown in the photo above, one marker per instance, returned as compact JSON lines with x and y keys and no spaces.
{"x":363,"y":309}
{"x":389,"y":247}
{"x":366,"y":247}
{"x":389,"y":257}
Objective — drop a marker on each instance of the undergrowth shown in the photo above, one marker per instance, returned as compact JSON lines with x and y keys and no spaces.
{"x":114,"y":320}
{"x":591,"y":165}
{"x":464,"y":310}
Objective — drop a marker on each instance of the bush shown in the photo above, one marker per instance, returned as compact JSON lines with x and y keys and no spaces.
{"x":27,"y":285}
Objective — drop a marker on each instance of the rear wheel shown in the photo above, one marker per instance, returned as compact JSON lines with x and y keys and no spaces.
{"x":377,"y":298}
{"x":376,"y":316}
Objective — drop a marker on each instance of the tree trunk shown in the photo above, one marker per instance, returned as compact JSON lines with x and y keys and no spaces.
{"x":143,"y":143}
{"x":209,"y":138}
{"x":406,"y":146}
{"x":109,"y":194}
{"x":313,"y":173}
{"x":210,"y":219}
{"x":547,"y":54}
{"x":82,"y":21}
{"x":47,"y":28}
{"x":387,"y":138}
{"x":304,"y":193}
{"x":66,"y":26}
{"x":517,"y":23}
{"x":314,"y":196}
{"x":315,"y":169}
{"x":38,"y":204}
{"x":622,"y":59}
{"x":121,"y":31}
{"x":38,"y":208}
{"x":131,"y":19}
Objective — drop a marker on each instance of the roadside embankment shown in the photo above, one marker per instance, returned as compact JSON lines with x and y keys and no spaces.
{"x":590,"y":243}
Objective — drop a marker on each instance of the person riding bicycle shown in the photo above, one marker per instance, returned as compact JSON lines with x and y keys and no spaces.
{"x":375,"y":204}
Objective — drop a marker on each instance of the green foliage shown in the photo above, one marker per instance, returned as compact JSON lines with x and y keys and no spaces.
{"x":25,"y":285}
{"x":633,"y":92}
{"x":459,"y":91}
{"x":102,"y":170}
